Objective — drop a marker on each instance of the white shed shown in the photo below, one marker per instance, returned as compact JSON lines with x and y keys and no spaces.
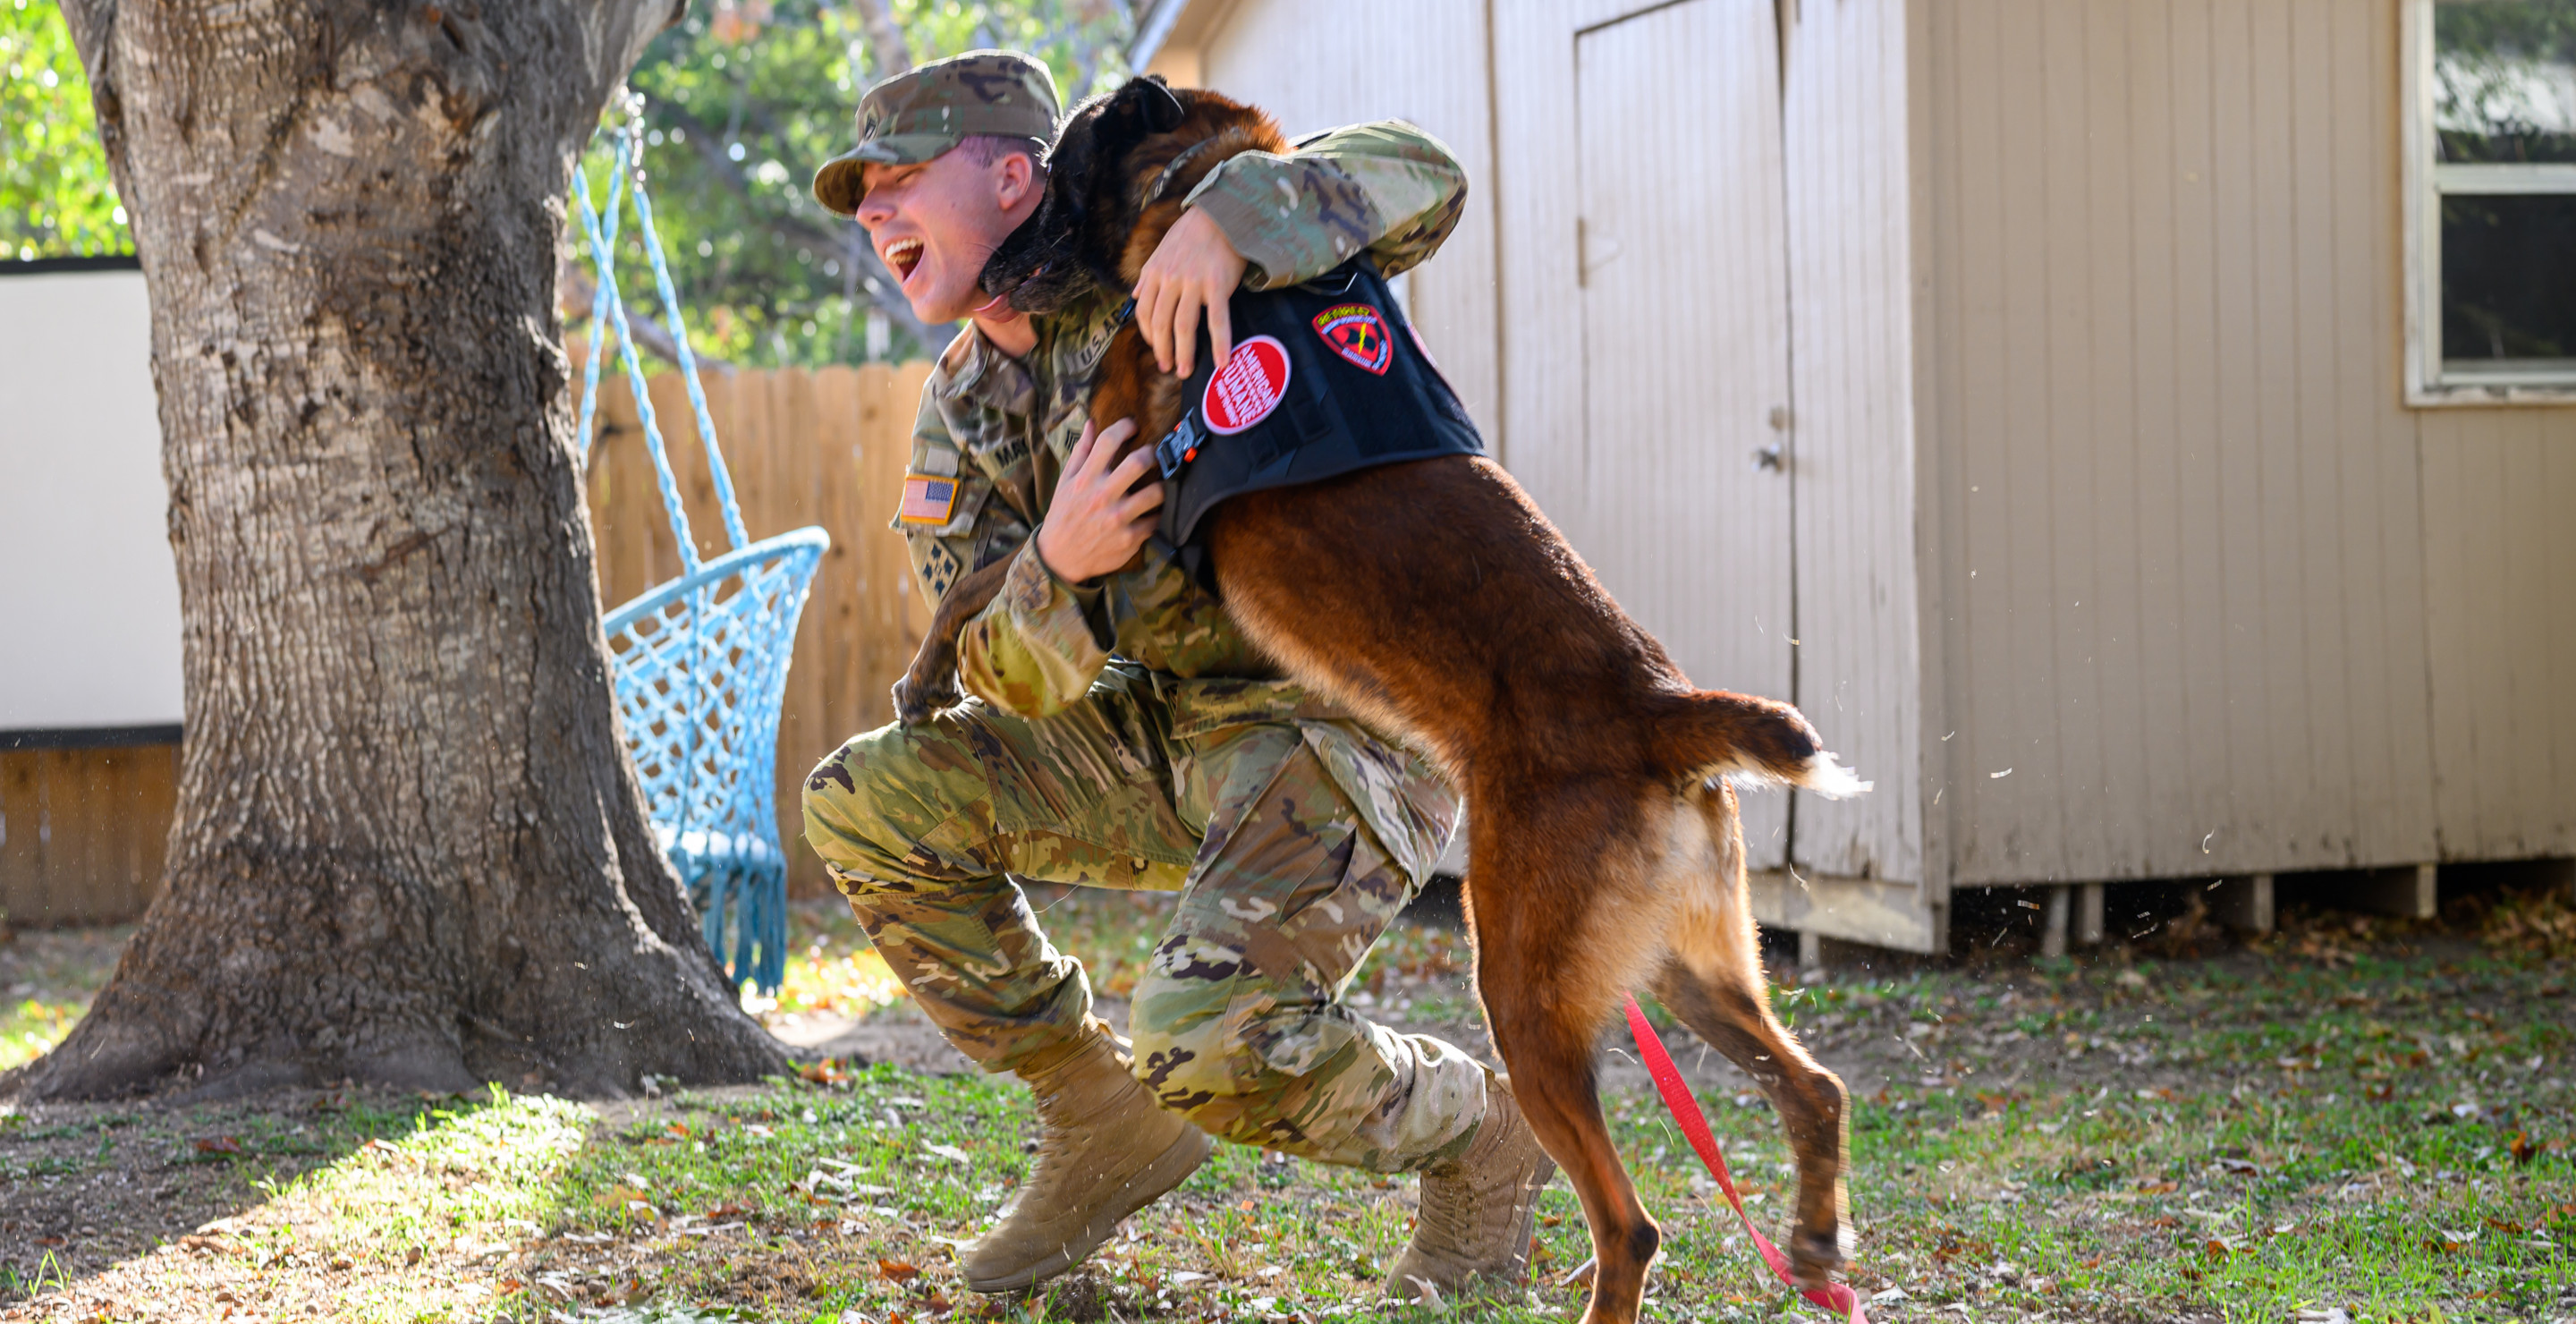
{"x":89,"y":597}
{"x":2140,"y":433}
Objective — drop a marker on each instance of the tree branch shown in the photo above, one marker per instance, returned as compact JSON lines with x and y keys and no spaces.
{"x":891,"y":54}
{"x":573,"y":292}
{"x":92,"y":24}
{"x":89,"y":21}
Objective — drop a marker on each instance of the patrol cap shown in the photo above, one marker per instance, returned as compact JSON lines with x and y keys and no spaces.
{"x":914,"y":116}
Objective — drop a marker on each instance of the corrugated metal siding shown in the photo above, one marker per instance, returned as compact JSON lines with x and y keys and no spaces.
{"x":1850,"y":285}
{"x":2180,"y":565}
{"x":2500,"y":566}
{"x":1423,"y":61}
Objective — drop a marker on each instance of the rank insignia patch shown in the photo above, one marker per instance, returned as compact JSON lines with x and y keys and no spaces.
{"x":1357,"y":332}
{"x":927,"y":499}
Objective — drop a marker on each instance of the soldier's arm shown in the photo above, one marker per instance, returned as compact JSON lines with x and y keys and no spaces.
{"x":949,"y":518}
{"x":1386,"y":187}
{"x":1041,"y":642}
{"x":1039,"y":646}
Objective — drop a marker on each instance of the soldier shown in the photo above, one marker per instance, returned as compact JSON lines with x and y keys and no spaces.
{"x":1123,"y":733}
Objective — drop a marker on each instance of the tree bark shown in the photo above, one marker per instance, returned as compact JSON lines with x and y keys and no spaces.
{"x":409,"y":846}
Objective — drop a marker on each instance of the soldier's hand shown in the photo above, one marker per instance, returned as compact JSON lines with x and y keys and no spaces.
{"x":1095,"y":523}
{"x":1195,"y":268}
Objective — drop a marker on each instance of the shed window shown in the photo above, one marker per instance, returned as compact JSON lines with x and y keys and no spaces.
{"x":2491,"y":157}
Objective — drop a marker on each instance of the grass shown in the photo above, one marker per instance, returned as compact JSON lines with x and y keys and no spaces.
{"x":46,"y":981}
{"x":2371,"y":1119}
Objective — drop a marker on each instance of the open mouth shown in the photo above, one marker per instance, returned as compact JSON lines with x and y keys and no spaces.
{"x":901,"y":256}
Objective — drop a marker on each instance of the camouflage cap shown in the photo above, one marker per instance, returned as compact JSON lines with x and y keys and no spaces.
{"x":914,"y":116}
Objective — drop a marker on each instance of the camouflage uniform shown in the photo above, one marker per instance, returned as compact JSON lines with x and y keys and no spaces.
{"x":1124,"y":733}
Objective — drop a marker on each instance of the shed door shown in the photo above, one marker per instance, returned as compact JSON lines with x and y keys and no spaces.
{"x":1686,"y":345}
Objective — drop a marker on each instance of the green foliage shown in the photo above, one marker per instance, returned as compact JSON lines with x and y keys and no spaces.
{"x":56,"y":199}
{"x":742,"y":102}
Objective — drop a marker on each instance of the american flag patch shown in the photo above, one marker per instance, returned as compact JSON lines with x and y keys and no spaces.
{"x":927,"y":500}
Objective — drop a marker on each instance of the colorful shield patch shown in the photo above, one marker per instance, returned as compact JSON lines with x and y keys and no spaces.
{"x":927,"y":499}
{"x":1357,"y":332}
{"x":1251,"y":384}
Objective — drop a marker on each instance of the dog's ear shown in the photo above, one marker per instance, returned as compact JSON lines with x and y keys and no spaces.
{"x":1162,"y":110}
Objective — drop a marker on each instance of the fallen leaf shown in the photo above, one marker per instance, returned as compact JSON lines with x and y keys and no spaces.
{"x":219,"y":1145}
{"x":900,"y":1271}
{"x":2239,"y":1167}
{"x":950,"y":1152}
{"x":2522,"y":1149}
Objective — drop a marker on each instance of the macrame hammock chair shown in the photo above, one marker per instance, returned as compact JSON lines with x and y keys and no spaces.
{"x":701,"y":661}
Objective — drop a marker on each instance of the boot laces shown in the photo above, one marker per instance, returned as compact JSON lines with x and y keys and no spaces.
{"x":1450,"y":1213}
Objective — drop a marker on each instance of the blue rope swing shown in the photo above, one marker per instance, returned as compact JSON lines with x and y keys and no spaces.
{"x":701,"y":661}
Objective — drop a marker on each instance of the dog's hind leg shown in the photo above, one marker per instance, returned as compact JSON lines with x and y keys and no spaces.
{"x":1714,"y":982}
{"x":1551,"y":966}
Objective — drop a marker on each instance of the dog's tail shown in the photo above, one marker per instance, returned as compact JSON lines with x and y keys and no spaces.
{"x":1712,"y":733}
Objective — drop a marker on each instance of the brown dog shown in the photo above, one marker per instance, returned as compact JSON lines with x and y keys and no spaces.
{"x":1604,"y":850}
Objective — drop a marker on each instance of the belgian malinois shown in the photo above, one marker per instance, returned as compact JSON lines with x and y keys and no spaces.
{"x":1435,"y":601}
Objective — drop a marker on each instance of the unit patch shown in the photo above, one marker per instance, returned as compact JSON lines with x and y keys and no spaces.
{"x":1357,"y":332}
{"x":1250,"y":385}
{"x":927,"y":499}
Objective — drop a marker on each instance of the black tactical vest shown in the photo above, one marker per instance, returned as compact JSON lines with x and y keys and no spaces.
{"x":1326,"y":378}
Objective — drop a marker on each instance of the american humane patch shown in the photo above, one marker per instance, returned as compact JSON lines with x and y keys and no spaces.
{"x":1357,"y":332}
{"x":927,"y":499}
{"x":1250,"y":385}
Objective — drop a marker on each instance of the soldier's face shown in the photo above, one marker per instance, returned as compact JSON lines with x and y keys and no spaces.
{"x":935,"y":223}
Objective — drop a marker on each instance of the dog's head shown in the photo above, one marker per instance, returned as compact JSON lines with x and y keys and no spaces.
{"x":1121,"y":167}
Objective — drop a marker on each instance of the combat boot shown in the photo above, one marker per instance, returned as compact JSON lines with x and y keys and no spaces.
{"x":1104,"y":1152}
{"x":1478,"y":1209}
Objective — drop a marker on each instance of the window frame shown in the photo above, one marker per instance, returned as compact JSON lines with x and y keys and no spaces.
{"x":2423,"y":181}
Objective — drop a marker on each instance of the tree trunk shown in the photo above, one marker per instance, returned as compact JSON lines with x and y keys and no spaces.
{"x":409,"y":846}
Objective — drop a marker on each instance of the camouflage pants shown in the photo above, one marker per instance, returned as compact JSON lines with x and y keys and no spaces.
{"x":1293,"y":842}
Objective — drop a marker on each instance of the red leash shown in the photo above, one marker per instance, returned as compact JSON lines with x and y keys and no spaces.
{"x":1837,"y":1297}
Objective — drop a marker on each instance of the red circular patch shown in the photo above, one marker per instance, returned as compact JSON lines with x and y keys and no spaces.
{"x":1250,"y":385}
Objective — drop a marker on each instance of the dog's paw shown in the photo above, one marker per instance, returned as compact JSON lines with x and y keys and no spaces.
{"x":916,"y":702}
{"x":1815,"y":1257}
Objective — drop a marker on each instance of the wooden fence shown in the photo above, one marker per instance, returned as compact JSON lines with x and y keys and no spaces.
{"x":82,"y":830}
{"x":825,"y":447}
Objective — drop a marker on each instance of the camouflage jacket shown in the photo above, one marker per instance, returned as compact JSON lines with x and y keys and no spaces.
{"x":1001,"y":427}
